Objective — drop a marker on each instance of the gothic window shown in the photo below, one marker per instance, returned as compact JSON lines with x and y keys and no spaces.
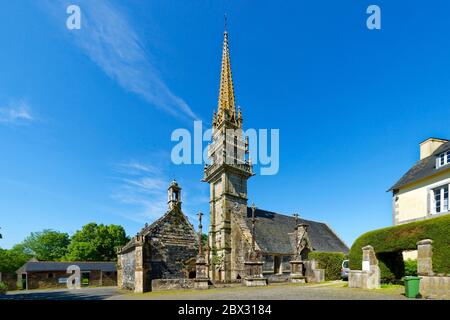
{"x":441,"y":199}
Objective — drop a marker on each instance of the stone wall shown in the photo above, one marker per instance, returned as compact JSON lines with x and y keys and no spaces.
{"x":435,"y":287}
{"x":369,"y":276}
{"x":50,"y":280}
{"x":128,"y":263}
{"x":172,"y":284}
{"x":10,"y":280}
{"x":168,"y":258}
{"x":240,"y":243}
{"x":172,"y":243}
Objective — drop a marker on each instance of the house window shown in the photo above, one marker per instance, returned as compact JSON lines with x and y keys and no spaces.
{"x":50,"y":275}
{"x":441,"y":201}
{"x":443,"y":159}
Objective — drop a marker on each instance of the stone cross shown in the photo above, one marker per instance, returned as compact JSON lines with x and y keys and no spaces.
{"x":200,"y":246}
{"x":296,"y":216}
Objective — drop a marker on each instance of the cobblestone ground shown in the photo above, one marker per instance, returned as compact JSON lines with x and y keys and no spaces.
{"x":335,"y":291}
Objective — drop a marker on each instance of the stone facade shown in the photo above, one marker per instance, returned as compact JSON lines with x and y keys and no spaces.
{"x":10,"y":280}
{"x":49,"y":275}
{"x":165,"y":249}
{"x":50,"y":280}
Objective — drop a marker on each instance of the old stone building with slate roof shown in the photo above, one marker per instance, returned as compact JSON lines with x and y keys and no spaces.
{"x":166,"y":249}
{"x":42,"y":274}
{"x":423,"y":191}
{"x":230,"y":235}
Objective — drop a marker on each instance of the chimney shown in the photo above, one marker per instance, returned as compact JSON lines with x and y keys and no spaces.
{"x":429,"y":146}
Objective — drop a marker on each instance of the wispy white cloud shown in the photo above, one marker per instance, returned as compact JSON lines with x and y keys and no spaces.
{"x":18,"y":113}
{"x":110,"y":40}
{"x":142,"y":188}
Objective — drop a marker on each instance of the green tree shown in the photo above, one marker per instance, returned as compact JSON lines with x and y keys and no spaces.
{"x":96,"y":243}
{"x":13,"y":259}
{"x":47,"y":245}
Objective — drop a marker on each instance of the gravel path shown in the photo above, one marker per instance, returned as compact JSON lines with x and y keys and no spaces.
{"x":274,"y":292}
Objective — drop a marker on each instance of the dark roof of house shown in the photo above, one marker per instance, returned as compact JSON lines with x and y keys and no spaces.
{"x":274,"y":233}
{"x":423,"y":168}
{"x":43,"y":266}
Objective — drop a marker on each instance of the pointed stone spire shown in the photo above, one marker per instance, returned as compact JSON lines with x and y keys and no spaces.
{"x":227,"y":106}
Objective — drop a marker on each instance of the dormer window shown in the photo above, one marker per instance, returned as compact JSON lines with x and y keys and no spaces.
{"x":443,"y":159}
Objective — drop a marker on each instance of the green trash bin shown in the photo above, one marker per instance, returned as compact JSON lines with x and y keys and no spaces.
{"x":412,"y":285}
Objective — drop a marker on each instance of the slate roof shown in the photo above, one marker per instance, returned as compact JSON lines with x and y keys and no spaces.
{"x":274,"y":233}
{"x":423,"y":168}
{"x":44,"y":266}
{"x":149,"y":228}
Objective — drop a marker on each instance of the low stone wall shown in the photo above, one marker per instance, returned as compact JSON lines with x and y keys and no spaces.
{"x":172,"y":284}
{"x":312,"y":273}
{"x":369,"y":276}
{"x":435,"y":287}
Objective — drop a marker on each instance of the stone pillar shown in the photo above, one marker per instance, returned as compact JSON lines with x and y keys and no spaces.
{"x":201,"y":274}
{"x":370,"y":276}
{"x":141,"y":283}
{"x":424,"y":257}
{"x":312,"y":273}
{"x":297,"y":272}
{"x":253,"y":267}
{"x":119,"y":271}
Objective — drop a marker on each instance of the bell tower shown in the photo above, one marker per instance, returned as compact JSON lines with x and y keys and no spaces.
{"x":227,"y":174}
{"x":174,"y":195}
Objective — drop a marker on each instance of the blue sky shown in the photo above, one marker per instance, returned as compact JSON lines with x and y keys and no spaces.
{"x":86,"y":116}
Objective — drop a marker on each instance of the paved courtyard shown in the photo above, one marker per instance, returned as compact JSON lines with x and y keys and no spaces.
{"x":330,"y":291}
{"x":335,"y":291}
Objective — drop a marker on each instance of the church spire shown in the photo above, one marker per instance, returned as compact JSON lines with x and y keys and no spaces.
{"x":226,"y":105}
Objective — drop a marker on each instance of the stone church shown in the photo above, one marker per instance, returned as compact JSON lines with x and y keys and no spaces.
{"x":165,"y":249}
{"x":168,"y":248}
{"x":230,"y":235}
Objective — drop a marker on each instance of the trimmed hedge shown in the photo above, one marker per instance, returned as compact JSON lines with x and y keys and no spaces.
{"x":389,"y":243}
{"x":410,"y":267}
{"x":330,"y":261}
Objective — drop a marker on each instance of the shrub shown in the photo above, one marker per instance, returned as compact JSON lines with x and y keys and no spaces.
{"x":410,"y":267}
{"x":3,"y":288}
{"x":330,"y":261}
{"x":388,"y":244}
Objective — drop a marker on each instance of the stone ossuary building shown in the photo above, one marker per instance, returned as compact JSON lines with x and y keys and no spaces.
{"x":166,"y":249}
